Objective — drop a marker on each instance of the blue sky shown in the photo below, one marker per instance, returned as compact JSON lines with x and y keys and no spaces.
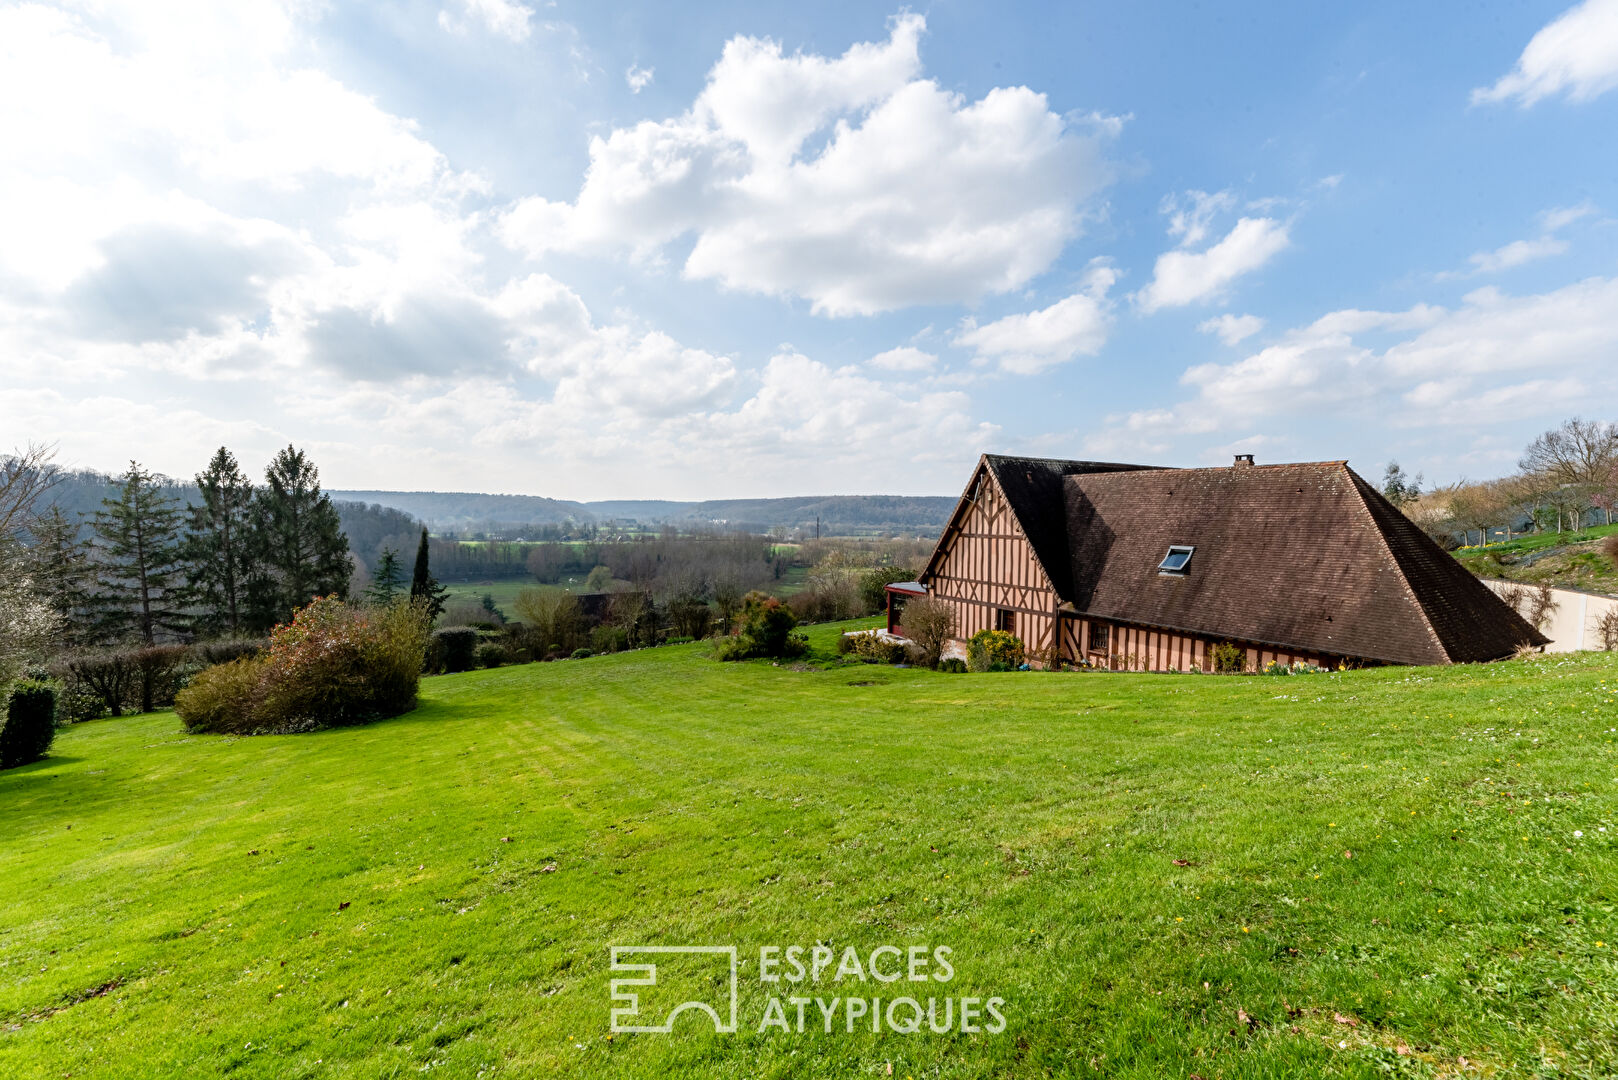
{"x":681,"y":251}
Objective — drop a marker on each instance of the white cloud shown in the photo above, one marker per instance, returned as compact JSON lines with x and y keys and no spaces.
{"x":1232,"y":329}
{"x":638,"y":78}
{"x":1191,"y":214}
{"x":905,"y":358}
{"x":1516,"y":362}
{"x":1186,"y":277}
{"x":1030,"y":342}
{"x":914,"y":195}
{"x":200,"y":225}
{"x":1519,"y":252}
{"x":1516,"y":253}
{"x":1575,"y":54}
{"x":503,"y":17}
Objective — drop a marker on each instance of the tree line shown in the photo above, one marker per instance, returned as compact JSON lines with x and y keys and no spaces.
{"x":1567,"y":478}
{"x":234,"y":562}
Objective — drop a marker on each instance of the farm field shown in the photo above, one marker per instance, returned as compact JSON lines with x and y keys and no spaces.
{"x":1357,"y":874}
{"x":504,"y":592}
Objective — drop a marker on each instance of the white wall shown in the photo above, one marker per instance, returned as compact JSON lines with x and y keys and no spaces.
{"x":1572,"y":623}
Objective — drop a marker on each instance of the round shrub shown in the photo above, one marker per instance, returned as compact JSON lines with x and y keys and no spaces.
{"x":331,"y":666}
{"x":456,"y":647}
{"x":994,"y":650}
{"x":608,"y":639}
{"x":953,"y":664}
{"x":582,"y":654}
{"x":492,"y":654}
{"x":222,"y":698}
{"x":30,"y":723}
{"x":764,"y":628}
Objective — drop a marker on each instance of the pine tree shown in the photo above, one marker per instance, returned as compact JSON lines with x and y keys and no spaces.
{"x":423,"y":586}
{"x":220,"y":555}
{"x":64,"y":575}
{"x":300,"y":539}
{"x":387,"y":580}
{"x":142,"y":590}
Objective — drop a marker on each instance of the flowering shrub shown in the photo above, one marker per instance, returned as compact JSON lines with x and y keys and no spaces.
{"x":994,"y":650}
{"x":1275,"y":667}
{"x":330,"y":666}
{"x":765,"y":627}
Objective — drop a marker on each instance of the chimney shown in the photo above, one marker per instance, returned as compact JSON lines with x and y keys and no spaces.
{"x":1243,"y":459}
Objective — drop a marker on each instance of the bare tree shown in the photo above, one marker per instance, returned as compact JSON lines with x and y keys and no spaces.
{"x":930,"y":623}
{"x":25,"y":476}
{"x":1577,"y":460}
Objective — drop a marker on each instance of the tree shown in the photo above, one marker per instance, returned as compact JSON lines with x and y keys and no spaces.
{"x":63,"y":574}
{"x":1576,"y":460}
{"x":930,"y":623}
{"x":139,"y":552}
{"x":26,"y":619}
{"x":301,"y":543}
{"x":424,"y":588}
{"x":1399,"y":489}
{"x":552,"y":619}
{"x":220,"y":550}
{"x":598,"y":579}
{"x":387,"y":580}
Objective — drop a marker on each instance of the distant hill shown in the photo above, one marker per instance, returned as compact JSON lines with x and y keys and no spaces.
{"x":372,"y":516}
{"x":458,"y":509}
{"x":368,"y":524}
{"x":837,"y":513}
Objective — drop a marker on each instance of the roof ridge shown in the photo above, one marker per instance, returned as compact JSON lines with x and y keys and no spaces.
{"x":1398,"y":567}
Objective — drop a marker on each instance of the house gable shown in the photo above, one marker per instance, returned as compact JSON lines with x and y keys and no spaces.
{"x":985,"y":564}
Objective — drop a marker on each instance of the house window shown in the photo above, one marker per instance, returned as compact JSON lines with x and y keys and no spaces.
{"x":1002,"y":620}
{"x":1177,"y":560}
{"x":1099,"y":636}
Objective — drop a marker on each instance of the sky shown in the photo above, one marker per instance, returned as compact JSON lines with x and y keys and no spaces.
{"x":627,"y":250}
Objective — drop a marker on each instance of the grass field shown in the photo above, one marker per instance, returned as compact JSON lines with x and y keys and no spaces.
{"x":1569,"y":559}
{"x":1360,"y":874}
{"x":504,"y":592}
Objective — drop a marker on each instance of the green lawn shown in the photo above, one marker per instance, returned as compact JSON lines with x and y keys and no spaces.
{"x":504,"y":592}
{"x":1160,"y":875}
{"x":1571,"y":559}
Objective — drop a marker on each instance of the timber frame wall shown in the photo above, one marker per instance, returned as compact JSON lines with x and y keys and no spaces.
{"x":986,"y":567}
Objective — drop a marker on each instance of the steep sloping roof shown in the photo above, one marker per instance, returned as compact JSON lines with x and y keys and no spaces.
{"x":1033,"y":487}
{"x":1307,"y":556}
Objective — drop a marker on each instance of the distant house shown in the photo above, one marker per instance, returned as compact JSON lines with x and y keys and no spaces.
{"x":1132,"y":567}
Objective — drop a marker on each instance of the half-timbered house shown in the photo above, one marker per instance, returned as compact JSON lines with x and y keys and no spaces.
{"x":1132,"y":567}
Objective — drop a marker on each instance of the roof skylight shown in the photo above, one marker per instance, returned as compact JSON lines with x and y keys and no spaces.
{"x":1177,"y":560}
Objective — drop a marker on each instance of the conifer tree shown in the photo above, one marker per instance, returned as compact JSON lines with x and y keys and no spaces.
{"x":63,"y":575}
{"x":141,"y":587}
{"x":220,"y":550}
{"x":423,"y":586}
{"x":300,"y":538}
{"x":387,"y":580}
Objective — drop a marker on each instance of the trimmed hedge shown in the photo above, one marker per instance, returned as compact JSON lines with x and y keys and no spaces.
{"x":30,"y":724}
{"x":455,"y":648}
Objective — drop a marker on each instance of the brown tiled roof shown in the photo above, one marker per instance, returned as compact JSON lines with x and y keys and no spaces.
{"x":1033,"y":487}
{"x":1308,"y":556}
